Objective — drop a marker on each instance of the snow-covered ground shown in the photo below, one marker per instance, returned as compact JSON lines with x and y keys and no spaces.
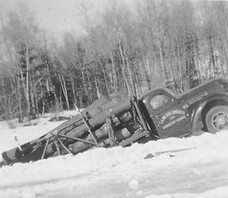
{"x":188,"y":167}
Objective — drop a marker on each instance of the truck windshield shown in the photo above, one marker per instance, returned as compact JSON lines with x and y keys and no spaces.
{"x":158,"y":101}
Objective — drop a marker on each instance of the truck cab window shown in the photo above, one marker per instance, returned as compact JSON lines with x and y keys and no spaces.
{"x":158,"y":101}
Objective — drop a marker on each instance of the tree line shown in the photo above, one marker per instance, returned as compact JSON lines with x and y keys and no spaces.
{"x":129,"y":50}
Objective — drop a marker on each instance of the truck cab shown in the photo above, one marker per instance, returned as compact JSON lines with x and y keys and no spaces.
{"x":166,"y":114}
{"x":202,"y":108}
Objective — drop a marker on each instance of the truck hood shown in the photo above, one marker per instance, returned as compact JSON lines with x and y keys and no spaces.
{"x":215,"y":85}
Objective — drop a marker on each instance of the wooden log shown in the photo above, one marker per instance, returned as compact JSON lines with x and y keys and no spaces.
{"x":97,"y":121}
{"x":92,"y":110}
{"x":100,"y":133}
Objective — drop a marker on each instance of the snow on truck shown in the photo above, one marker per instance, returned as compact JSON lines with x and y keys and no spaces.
{"x":158,"y":114}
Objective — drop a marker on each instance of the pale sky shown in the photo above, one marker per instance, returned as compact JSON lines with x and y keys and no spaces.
{"x":56,"y":15}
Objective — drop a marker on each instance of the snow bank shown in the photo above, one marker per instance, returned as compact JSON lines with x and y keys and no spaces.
{"x":117,"y":164}
{"x":206,"y":148}
{"x":220,"y":192}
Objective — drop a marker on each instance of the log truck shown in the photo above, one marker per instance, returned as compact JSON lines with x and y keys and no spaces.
{"x":156,"y":115}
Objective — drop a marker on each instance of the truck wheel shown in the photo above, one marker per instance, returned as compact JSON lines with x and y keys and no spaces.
{"x":217,"y":118}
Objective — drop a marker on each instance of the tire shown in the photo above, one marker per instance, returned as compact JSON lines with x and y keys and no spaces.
{"x":217,"y":118}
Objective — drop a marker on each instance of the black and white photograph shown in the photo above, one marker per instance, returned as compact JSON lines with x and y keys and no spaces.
{"x":113,"y":99}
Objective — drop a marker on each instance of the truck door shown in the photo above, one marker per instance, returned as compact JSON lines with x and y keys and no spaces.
{"x":167,"y":114}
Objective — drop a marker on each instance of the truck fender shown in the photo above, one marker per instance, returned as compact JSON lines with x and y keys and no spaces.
{"x":197,"y":120}
{"x":197,"y":123}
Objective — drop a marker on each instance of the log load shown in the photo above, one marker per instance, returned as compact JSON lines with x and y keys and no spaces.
{"x":75,"y":134}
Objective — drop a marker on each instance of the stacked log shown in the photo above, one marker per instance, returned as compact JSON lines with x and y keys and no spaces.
{"x":96,"y":115}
